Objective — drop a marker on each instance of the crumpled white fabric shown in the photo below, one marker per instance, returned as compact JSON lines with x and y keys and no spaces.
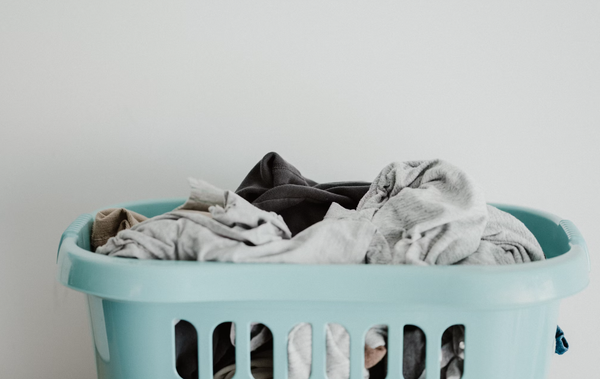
{"x":432,"y":213}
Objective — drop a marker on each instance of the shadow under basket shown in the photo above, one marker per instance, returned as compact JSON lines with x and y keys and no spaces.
{"x":509,"y":313}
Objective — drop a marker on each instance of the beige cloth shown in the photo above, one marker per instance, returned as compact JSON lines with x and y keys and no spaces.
{"x":374,"y":355}
{"x":111,"y":221}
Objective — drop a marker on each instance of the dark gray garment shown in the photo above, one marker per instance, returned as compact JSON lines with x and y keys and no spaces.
{"x":277,"y":186}
{"x":413,"y":359}
{"x":186,"y":350}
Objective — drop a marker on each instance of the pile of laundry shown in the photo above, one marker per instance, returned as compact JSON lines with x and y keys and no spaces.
{"x":416,"y":212}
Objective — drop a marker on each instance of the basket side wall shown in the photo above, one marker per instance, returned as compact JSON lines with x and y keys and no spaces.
{"x":136,"y":340}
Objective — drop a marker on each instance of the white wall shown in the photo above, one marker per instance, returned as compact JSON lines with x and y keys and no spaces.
{"x":103,"y":102}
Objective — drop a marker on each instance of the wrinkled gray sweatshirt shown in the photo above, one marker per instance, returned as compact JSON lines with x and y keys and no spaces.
{"x":430,"y":212}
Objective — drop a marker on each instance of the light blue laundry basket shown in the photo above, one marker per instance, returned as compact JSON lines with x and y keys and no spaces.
{"x":509,"y":312}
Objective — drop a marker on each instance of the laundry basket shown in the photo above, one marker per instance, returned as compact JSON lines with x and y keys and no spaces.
{"x":509,"y":312}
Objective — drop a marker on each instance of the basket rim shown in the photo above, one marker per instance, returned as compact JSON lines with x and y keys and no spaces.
{"x":474,"y":287}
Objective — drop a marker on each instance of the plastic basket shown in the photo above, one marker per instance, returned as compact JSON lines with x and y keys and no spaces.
{"x":509,"y":312}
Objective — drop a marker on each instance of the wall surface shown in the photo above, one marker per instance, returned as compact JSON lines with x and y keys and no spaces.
{"x":104,"y":102}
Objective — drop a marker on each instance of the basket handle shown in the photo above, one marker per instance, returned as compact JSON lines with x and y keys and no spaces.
{"x":74,"y":230}
{"x":575,"y":238}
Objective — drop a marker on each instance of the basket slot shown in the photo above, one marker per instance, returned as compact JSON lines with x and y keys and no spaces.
{"x":456,"y":344}
{"x":186,"y":347}
{"x":262,"y":368}
{"x":296,"y":339}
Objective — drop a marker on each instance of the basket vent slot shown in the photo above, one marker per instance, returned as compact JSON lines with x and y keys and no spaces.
{"x":413,"y":360}
{"x":186,"y":350}
{"x":338,"y":352}
{"x":376,"y":358}
{"x":261,"y":347}
{"x":223,"y":358}
{"x":300,"y":346}
{"x":453,"y":352}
